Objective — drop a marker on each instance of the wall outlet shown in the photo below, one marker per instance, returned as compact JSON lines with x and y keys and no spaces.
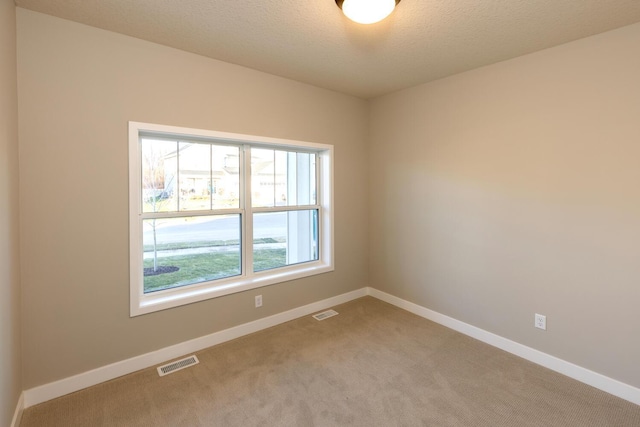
{"x":258,"y":301}
{"x":540,"y":321}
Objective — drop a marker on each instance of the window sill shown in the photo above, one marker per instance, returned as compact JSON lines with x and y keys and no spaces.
{"x":162,"y":300}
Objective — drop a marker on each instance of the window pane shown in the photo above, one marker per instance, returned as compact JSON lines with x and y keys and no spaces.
{"x":284,"y":238}
{"x":159,"y":175}
{"x":225,"y":177}
{"x":282,"y":178}
{"x":262,"y":177}
{"x":184,"y":251}
{"x":194,"y":171}
{"x":304,"y":176}
{"x":292,"y":182}
{"x":312,"y":179}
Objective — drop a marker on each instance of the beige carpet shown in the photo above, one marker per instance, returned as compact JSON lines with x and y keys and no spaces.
{"x":372,"y":365}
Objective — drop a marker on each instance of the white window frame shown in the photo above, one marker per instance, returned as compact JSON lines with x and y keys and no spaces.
{"x":141,"y":303}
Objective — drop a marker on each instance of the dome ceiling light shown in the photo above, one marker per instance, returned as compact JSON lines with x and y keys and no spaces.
{"x":367,"y":11}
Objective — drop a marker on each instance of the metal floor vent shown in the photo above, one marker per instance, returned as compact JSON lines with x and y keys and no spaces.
{"x":325,"y":314}
{"x":177,"y":365}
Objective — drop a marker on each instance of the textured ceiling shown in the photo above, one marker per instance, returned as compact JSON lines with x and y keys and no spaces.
{"x":312,"y":42}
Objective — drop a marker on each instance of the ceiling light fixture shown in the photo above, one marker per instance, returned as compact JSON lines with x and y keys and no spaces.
{"x":367,"y":11}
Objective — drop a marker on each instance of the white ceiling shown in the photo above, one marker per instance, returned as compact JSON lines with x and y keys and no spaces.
{"x":312,"y":42}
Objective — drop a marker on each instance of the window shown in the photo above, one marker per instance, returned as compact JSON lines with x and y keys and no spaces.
{"x":215,"y":213}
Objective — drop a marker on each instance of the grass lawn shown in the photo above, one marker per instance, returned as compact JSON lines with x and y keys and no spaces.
{"x":198,"y":268}
{"x":206,"y":244}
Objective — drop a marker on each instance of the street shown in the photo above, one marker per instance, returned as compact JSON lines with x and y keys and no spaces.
{"x":197,"y":229}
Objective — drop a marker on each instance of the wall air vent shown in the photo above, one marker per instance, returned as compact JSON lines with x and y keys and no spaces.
{"x":325,"y":314}
{"x":177,"y":365}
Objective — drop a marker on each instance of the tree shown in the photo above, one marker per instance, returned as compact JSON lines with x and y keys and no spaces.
{"x":155,"y":185}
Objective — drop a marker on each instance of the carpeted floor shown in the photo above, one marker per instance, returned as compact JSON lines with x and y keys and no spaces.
{"x":372,"y":365}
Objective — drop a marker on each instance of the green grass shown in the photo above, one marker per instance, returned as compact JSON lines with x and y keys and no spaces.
{"x":198,"y":268}
{"x":264,"y":259}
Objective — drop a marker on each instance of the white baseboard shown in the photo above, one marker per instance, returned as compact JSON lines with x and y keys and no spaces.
{"x":594,"y":379}
{"x":65,"y":386}
{"x":17,"y":415}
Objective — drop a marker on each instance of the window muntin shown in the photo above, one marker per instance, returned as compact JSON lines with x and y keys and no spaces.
{"x":231,"y":212}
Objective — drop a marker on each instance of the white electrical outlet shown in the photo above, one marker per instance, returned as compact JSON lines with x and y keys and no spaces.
{"x":258,"y":301}
{"x":540,"y":321}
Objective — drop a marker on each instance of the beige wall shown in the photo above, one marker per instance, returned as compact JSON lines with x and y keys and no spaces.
{"x":515,"y":189}
{"x":78,"y":87}
{"x":492,"y":195}
{"x":10,"y":347}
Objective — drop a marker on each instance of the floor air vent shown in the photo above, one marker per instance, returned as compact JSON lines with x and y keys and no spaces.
{"x":177,"y":365}
{"x":325,"y":314}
